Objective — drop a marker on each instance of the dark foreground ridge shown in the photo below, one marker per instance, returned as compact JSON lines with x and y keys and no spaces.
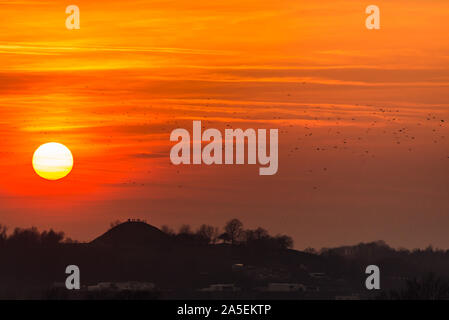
{"x":134,"y":260}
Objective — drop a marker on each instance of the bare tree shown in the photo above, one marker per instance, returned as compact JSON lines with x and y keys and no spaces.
{"x":224,"y":237}
{"x":234,"y":229}
{"x":185,"y":229}
{"x":256,"y":235}
{"x":51,"y":238}
{"x":429,"y":287}
{"x":215,"y":235}
{"x":25,"y":237}
{"x":284,"y":242}
{"x":167,"y":230}
{"x":186,"y":234}
{"x":260,"y":233}
{"x":310,"y":250}
{"x":249,"y":235}
{"x":208,"y":233}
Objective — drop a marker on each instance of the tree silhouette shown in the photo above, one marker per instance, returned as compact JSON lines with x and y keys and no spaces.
{"x":284,"y":242}
{"x":256,"y":235}
{"x":260,"y":233}
{"x":430,"y":287}
{"x":207,"y":234}
{"x":167,"y":230}
{"x":233,"y":233}
{"x":25,"y":237}
{"x":51,"y":238}
{"x":3,"y":235}
{"x":185,"y":229}
{"x":310,"y":250}
{"x":186,"y":234}
{"x":31,"y":237}
{"x":234,"y":229}
{"x":224,"y":237}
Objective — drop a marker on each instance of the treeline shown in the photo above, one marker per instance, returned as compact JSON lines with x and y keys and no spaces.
{"x":400,"y":263}
{"x":232,"y":233}
{"x":31,"y":237}
{"x":427,"y":287}
{"x":379,"y":250}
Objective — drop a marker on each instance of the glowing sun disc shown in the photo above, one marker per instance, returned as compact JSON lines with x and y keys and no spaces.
{"x":52,"y":161}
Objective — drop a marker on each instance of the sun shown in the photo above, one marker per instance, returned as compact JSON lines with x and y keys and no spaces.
{"x":52,"y":161}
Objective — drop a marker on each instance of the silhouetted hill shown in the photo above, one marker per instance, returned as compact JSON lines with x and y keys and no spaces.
{"x":181,"y":267}
{"x":132,"y":234}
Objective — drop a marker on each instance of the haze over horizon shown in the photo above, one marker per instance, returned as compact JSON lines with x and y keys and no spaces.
{"x":362,"y":116}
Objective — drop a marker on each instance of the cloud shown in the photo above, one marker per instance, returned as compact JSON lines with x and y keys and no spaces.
{"x":148,"y":155}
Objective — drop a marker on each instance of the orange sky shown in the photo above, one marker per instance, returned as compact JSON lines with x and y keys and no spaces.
{"x":363,"y":151}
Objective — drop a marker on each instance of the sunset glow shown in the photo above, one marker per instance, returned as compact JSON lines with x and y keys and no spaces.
{"x":362,"y":116}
